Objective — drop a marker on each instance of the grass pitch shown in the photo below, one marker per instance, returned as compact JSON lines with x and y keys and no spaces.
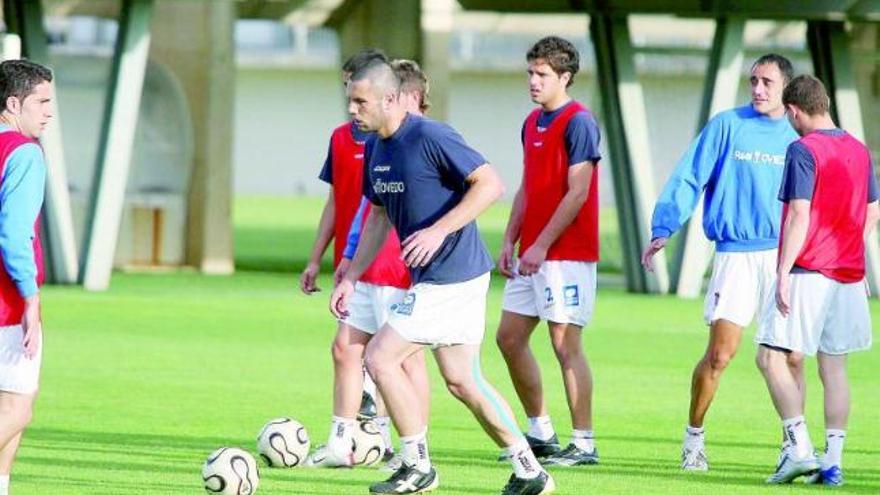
{"x":141,"y":382}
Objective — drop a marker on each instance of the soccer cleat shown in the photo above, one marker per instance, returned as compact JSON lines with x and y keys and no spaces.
{"x":790,"y":467}
{"x":368,"y":407}
{"x":407,"y":479}
{"x":572,"y":456}
{"x":539,"y":485}
{"x":324,"y":457}
{"x":541,"y":448}
{"x":830,"y":476}
{"x":694,"y":458}
{"x":394,"y":463}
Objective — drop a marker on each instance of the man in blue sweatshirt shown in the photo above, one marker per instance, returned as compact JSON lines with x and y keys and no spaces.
{"x":737,"y":160}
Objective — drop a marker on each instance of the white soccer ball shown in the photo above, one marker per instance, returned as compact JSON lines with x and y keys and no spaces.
{"x":231,"y":471}
{"x":283,"y":442}
{"x":369,"y":447}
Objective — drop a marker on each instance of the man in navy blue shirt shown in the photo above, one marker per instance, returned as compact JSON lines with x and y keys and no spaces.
{"x":423,"y":179}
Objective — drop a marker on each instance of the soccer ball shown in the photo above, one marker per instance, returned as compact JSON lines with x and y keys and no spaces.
{"x":369,"y":447}
{"x":231,"y":471}
{"x":283,"y":442}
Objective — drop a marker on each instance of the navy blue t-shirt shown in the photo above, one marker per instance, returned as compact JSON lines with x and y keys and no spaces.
{"x":581,"y":134}
{"x":326,"y":174}
{"x":799,"y":176}
{"x":418,"y":174}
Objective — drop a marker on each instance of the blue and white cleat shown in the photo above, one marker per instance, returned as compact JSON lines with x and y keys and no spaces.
{"x":791,"y":467}
{"x":830,"y":476}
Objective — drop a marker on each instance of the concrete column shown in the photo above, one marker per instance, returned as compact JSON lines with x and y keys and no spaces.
{"x":195,"y":40}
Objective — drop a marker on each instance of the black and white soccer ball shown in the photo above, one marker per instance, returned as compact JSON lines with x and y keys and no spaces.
{"x":283,"y":442}
{"x":369,"y":447}
{"x":231,"y":471}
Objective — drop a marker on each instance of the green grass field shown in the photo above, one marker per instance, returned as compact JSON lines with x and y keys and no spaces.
{"x":141,"y":382}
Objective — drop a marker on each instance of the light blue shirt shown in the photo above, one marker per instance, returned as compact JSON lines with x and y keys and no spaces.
{"x":21,"y":198}
{"x":738,"y":160}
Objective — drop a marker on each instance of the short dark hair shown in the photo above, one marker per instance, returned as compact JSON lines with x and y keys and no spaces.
{"x":560,"y":55}
{"x":412,"y":80}
{"x":782,"y":63}
{"x":18,"y":78}
{"x":380,"y":74}
{"x":362,"y":59}
{"x":807,"y":93}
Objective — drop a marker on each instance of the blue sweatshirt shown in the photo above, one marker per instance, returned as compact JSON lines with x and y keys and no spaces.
{"x":738,"y":160}
{"x":21,"y":197}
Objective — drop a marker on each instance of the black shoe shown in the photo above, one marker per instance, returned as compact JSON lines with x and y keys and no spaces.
{"x":407,"y":479}
{"x":368,"y":407}
{"x":541,"y":485}
{"x":572,"y":456}
{"x":541,"y":448}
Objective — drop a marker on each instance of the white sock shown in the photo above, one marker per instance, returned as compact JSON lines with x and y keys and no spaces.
{"x":369,"y":384}
{"x":415,"y":451}
{"x":384,"y":424}
{"x":694,"y":437}
{"x":541,"y":427}
{"x":341,"y":436}
{"x":583,"y":439}
{"x":4,"y":484}
{"x":796,"y":430}
{"x":833,"y":448}
{"x":525,"y":465}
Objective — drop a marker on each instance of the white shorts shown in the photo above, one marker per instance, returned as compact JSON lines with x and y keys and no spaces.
{"x":445,"y":314}
{"x":825,"y":316}
{"x":18,"y":374}
{"x":370,"y":306}
{"x":741,"y":286}
{"x":560,"y":291}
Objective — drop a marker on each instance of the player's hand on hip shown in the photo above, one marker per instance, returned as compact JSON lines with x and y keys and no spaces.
{"x":31,"y":327}
{"x":783,"y":293}
{"x":421,"y":246}
{"x":339,"y":298}
{"x":531,"y":260}
{"x":308,"y":279}
{"x":505,"y":260}
{"x":341,"y":270}
{"x":653,"y":248}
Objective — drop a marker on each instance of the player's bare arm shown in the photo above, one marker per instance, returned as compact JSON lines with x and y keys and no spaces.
{"x":322,"y":240}
{"x":580,"y":175}
{"x":872,"y":215}
{"x":794,"y":233}
{"x":485,"y":187}
{"x":511,"y":235}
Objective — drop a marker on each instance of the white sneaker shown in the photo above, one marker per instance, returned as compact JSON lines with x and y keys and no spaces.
{"x":790,"y":467}
{"x":325,"y":457}
{"x":693,"y":458}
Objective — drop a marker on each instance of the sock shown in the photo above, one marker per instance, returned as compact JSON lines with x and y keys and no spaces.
{"x":694,"y":437}
{"x":541,"y":428}
{"x":415,"y":451}
{"x":525,"y":465}
{"x":796,"y":430}
{"x":833,"y":448}
{"x":341,"y":436}
{"x":369,"y":384}
{"x":384,"y":424}
{"x":583,"y":439}
{"x":4,"y":484}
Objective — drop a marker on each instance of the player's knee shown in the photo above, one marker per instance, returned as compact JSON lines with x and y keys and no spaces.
{"x":344,"y":354}
{"x":719,"y":360}
{"x":376,"y":366}
{"x":508,"y":342}
{"x":462,"y":390}
{"x":566,"y":354}
{"x":18,"y":413}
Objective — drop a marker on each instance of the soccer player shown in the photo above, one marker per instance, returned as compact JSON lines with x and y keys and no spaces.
{"x":555,"y":219}
{"x":425,"y":180}
{"x":830,"y":195}
{"x":383,"y":284}
{"x":738,"y":160}
{"x":26,"y":92}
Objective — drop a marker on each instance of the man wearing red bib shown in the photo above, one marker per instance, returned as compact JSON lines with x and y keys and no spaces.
{"x":555,"y":219}
{"x":830,"y":195}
